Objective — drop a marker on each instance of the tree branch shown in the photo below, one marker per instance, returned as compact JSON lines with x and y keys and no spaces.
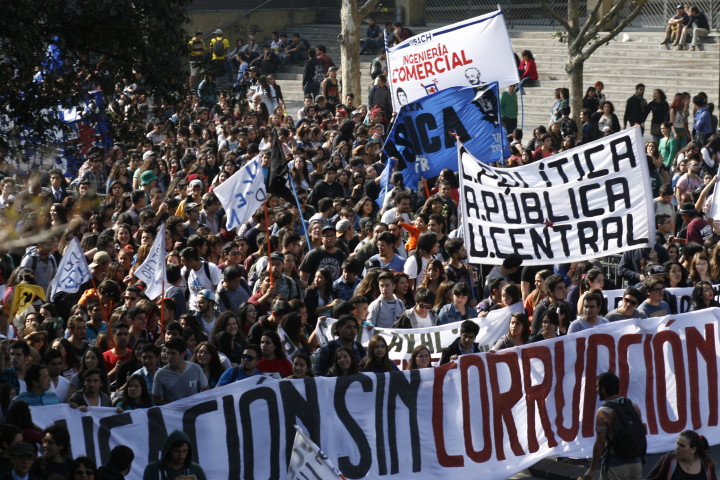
{"x":583,"y":30}
{"x":555,"y":16}
{"x":639,"y":4}
{"x":597,"y":27}
{"x":37,"y":238}
{"x":367,"y":7}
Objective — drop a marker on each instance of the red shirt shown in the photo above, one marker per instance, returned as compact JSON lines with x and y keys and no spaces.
{"x":529,"y":69}
{"x":280,"y":365}
{"x":111,"y":359}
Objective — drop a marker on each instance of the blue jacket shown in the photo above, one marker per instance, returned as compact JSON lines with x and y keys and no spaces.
{"x":35,"y":400}
{"x":450,"y":314}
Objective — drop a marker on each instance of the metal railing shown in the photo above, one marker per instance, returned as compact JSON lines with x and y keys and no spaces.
{"x":656,"y":13}
{"x":517,"y":12}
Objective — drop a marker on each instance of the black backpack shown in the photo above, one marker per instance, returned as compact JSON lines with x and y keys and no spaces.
{"x":219,"y":47}
{"x":628,"y":432}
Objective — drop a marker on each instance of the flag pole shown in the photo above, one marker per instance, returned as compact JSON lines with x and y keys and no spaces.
{"x":297,"y":202}
{"x":267,"y":239}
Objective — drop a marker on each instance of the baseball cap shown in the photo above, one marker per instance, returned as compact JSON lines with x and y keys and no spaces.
{"x":22,"y":449}
{"x":208,"y":295}
{"x":329,"y":228}
{"x":277,"y":256}
{"x":342,"y":226}
{"x":191,"y":206}
{"x":196,"y":182}
{"x":100,"y":258}
{"x":149,"y":153}
{"x":218,"y":32}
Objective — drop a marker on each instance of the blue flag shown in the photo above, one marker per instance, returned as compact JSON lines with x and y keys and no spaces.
{"x":423,"y":135}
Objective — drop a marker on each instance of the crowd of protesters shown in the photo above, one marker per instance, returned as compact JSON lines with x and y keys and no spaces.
{"x":245,"y":301}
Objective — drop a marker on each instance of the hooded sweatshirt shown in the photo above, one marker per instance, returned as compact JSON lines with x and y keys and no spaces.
{"x":159,"y":470}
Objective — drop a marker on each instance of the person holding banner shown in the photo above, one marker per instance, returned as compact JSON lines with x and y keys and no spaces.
{"x":654,"y":305}
{"x":591,"y":314}
{"x":464,"y":344}
{"x":628,"y":306}
{"x":703,"y":296}
{"x":421,"y":315}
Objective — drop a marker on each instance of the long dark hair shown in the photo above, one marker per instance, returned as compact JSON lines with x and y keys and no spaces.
{"x":144,"y":395}
{"x":215,"y":367}
{"x":701,"y":446}
{"x":352,"y":369}
{"x":371,"y":361}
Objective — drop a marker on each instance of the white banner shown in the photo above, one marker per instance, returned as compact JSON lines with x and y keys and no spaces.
{"x":471,"y":52}
{"x":72,"y":272}
{"x":492,"y":414}
{"x":307,"y":461}
{"x":583,"y":203}
{"x":243,"y":193}
{"x":152,"y":271}
{"x":402,"y":341}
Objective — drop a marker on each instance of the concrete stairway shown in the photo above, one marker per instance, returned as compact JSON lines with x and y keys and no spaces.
{"x":619,"y":65}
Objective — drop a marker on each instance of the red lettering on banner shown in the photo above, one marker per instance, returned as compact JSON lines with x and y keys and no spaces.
{"x":568,"y":434}
{"x":474,"y":361}
{"x":626,"y":341}
{"x":538,"y":394}
{"x":675,"y":345}
{"x":650,"y":418}
{"x":504,"y":402}
{"x":438,"y":409}
{"x":591,"y":373}
{"x":696,"y":343}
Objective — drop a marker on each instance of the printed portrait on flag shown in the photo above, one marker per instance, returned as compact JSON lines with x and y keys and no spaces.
{"x":471,"y":52}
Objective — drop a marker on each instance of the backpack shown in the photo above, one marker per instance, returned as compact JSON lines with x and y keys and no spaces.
{"x":319,"y":74}
{"x":219,"y":47}
{"x":628,"y":433}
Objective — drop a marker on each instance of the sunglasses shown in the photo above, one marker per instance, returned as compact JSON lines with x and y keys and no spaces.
{"x":130,"y":298}
{"x":630,"y":301}
{"x":425,"y":306}
{"x":249,"y":358}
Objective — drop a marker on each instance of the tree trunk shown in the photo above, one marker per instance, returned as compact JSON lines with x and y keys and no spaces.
{"x":575,"y":67}
{"x":350,"y":50}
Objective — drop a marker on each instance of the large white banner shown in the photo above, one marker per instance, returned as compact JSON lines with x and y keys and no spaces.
{"x":471,"y":52}
{"x":489,"y":414}
{"x":402,"y":341}
{"x":583,"y":203}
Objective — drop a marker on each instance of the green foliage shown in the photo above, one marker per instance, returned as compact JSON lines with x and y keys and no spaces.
{"x":102,"y":41}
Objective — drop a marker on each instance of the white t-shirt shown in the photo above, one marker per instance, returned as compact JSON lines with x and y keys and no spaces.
{"x":412,"y":271}
{"x":198,"y":281}
{"x":62,"y":389}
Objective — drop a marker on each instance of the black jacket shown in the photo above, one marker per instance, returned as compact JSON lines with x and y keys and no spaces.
{"x":454,"y":349}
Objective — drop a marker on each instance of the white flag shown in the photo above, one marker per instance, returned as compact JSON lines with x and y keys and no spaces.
{"x":307,"y":460}
{"x":72,"y":272}
{"x":242,"y":194}
{"x":152,"y":270}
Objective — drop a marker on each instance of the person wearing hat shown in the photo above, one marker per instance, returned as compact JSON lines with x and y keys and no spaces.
{"x":347,"y":238}
{"x":98,"y":268}
{"x":285,"y":286}
{"x":22,"y":457}
{"x":219,"y":47}
{"x":192,"y":216}
{"x":148,"y":181}
{"x":198,"y":53}
{"x":233,"y":290}
{"x":251,"y":49}
{"x":697,"y":229}
{"x":327,"y":255}
{"x":675,"y":25}
{"x":206,"y":310}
